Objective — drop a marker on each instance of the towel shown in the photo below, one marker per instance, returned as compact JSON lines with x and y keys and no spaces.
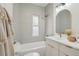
{"x":6,"y":33}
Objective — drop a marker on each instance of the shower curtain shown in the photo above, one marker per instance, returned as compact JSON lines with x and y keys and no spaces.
{"x":6,"y":33}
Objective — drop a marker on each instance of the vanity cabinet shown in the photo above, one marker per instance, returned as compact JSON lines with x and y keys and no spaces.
{"x":52,"y":48}
{"x":69,"y":51}
{"x":57,"y":49}
{"x":62,"y":53}
{"x":51,"y":51}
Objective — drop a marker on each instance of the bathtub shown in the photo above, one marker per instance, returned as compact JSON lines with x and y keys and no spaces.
{"x":21,"y":49}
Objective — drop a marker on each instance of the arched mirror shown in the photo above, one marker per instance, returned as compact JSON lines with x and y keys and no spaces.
{"x":63,"y":21}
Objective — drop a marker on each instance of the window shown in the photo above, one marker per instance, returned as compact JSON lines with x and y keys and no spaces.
{"x":35,"y":25}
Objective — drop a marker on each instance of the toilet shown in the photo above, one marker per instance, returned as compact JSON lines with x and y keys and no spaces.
{"x":32,"y":54}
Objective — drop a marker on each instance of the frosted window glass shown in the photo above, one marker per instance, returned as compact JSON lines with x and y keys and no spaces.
{"x":35,"y":29}
{"x":35,"y":20}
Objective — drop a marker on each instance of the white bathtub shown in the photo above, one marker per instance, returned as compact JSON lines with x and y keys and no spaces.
{"x":40,"y":47}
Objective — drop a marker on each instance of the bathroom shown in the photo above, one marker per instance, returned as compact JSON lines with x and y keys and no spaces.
{"x":43,"y":29}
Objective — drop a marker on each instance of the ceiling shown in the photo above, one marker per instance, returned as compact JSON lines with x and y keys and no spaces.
{"x":41,"y":4}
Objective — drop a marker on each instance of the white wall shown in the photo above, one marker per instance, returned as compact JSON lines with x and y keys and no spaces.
{"x":23,"y":17}
{"x":49,"y":11}
{"x":51,"y":19}
{"x":74,"y":9}
{"x":16,"y":14}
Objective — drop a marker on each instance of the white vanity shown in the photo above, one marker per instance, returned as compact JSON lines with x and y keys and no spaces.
{"x":61,"y":47}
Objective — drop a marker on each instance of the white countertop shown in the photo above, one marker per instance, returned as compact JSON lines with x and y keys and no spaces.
{"x":64,"y":41}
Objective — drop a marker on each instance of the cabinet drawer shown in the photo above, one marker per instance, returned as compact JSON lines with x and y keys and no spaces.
{"x":69,"y":50}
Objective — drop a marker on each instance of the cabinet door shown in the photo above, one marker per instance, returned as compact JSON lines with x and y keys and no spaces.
{"x":51,"y":51}
{"x":52,"y":48}
{"x":69,"y":50}
{"x":62,"y":54}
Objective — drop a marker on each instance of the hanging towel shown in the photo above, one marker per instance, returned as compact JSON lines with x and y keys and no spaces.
{"x":6,"y":33}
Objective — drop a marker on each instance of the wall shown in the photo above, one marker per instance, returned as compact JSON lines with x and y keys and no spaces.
{"x":23,"y":16}
{"x":16,"y":14}
{"x":49,"y":11}
{"x":51,"y":19}
{"x":74,"y":9}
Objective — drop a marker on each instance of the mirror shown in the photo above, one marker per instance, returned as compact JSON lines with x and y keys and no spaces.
{"x":63,"y":21}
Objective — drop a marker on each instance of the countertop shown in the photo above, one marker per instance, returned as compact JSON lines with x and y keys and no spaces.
{"x":64,"y":41}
